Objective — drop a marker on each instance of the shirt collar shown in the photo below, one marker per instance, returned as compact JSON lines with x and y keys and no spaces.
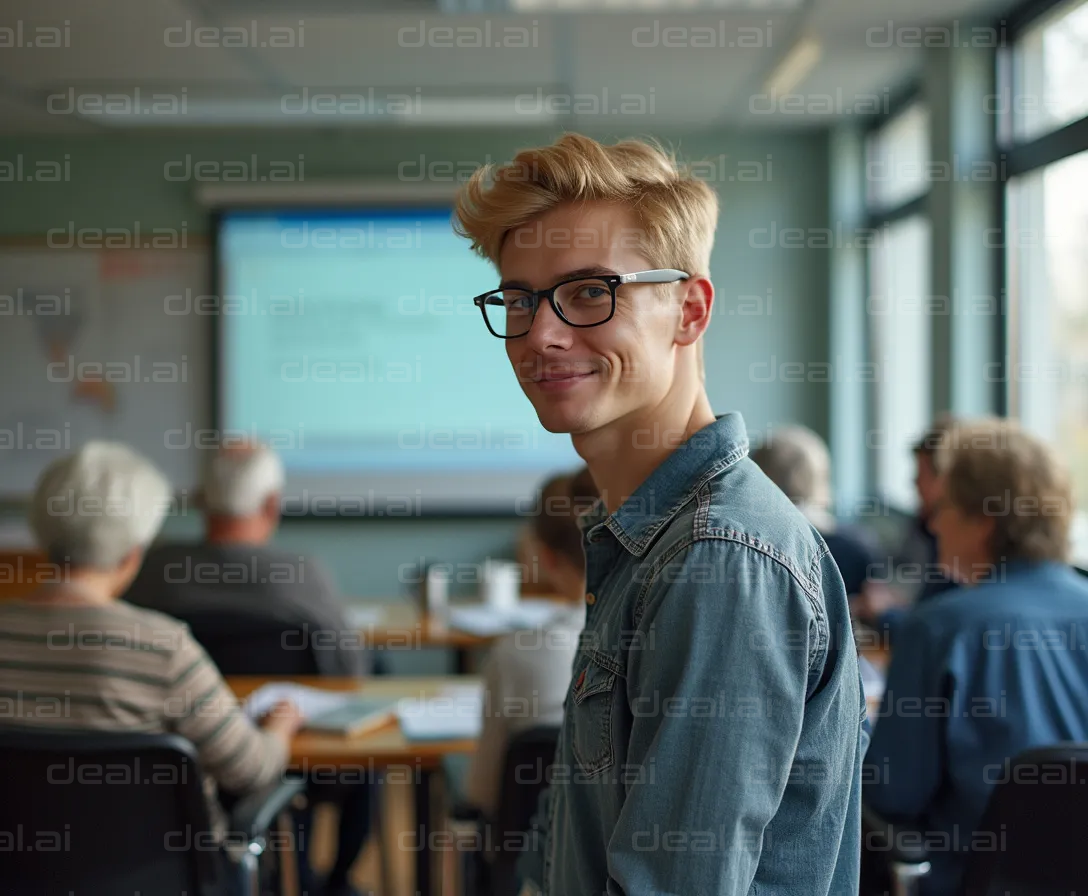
{"x":672,"y":485}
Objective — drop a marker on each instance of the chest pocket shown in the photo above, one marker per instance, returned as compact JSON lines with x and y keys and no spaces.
{"x":593,"y":695}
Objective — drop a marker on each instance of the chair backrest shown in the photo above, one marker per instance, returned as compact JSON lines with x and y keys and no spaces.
{"x":94,"y":813}
{"x":1030,"y":841}
{"x":527,"y":771}
{"x":245,"y":642}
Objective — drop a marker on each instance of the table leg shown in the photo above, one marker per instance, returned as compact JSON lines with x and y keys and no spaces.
{"x":462,"y":661}
{"x":425,"y":822}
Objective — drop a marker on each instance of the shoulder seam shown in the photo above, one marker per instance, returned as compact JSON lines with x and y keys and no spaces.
{"x":810,"y":588}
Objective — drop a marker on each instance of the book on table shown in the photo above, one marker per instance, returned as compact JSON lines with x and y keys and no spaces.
{"x":330,"y":712}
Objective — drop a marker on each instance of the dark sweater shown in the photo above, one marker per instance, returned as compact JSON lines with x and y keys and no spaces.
{"x":183,"y":579}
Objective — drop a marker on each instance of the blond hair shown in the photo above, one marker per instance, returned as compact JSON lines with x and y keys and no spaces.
{"x":993,"y":468}
{"x":676,"y":212}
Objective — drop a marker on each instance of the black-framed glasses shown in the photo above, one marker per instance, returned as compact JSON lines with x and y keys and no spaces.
{"x":579,"y":302}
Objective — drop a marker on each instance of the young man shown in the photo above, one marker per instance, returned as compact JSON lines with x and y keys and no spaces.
{"x":712,"y":736}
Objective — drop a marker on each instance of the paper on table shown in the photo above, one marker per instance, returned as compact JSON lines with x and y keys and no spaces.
{"x":471,"y":690}
{"x":532,"y":612}
{"x":310,"y":701}
{"x":481,"y":621}
{"x":362,"y":615}
{"x":491,"y":621}
{"x":455,"y":714}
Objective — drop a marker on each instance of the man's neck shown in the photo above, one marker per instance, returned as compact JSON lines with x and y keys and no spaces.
{"x":228,"y":530}
{"x":622,"y":455}
{"x":83,"y":586}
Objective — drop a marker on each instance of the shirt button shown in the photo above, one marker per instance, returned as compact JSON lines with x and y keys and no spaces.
{"x":591,"y":598}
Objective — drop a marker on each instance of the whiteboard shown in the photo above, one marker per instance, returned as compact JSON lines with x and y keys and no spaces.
{"x":91,"y":347}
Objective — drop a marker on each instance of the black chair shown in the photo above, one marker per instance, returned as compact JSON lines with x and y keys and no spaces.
{"x":244,"y":642}
{"x":101,"y":814}
{"x":1038,"y":815}
{"x":527,"y":771}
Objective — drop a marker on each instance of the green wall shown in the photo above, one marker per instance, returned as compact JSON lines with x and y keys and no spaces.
{"x":768,"y":184}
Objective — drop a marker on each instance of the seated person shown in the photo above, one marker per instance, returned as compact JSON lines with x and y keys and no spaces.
{"x":982,"y":672}
{"x":151,"y":676}
{"x":527,"y":674}
{"x":797,"y":461}
{"x":235,"y":565}
{"x":917,"y":565}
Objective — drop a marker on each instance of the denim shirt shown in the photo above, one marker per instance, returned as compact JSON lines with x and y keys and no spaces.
{"x":978,"y":675}
{"x":713,"y":736}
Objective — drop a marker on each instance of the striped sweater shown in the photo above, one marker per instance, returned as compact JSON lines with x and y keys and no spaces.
{"x":120,"y":668}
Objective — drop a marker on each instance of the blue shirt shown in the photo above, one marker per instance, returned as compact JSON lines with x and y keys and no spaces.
{"x":713,"y":734}
{"x":977,"y":676}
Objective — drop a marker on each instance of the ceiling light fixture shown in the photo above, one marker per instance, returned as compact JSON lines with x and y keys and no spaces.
{"x":797,"y":65}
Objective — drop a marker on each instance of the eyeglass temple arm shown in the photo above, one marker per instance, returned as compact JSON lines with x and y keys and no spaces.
{"x":665,"y":275}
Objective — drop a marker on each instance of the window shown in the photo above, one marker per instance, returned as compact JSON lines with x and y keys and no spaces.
{"x":895,"y":170}
{"x":900,"y":353}
{"x":1047,"y":270}
{"x":1049,"y":71}
{"x":900,"y":339}
{"x":1046,"y":240}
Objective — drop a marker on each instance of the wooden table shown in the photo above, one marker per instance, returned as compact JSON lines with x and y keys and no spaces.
{"x":880,"y":655}
{"x":384,"y":750}
{"x":400,"y":626}
{"x":22,"y":572}
{"x":875,"y":648}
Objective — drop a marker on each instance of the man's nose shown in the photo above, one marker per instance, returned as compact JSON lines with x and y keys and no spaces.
{"x":548,"y":329}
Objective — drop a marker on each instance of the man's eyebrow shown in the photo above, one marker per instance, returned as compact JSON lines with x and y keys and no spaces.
{"x":595,"y":271}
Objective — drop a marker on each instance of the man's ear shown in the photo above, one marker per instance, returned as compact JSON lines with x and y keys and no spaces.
{"x":695,"y":308}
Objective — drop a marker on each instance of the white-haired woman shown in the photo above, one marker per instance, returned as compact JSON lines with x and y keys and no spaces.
{"x":81,"y":658}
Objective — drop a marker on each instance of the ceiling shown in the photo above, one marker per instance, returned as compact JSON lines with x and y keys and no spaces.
{"x":367,"y":63}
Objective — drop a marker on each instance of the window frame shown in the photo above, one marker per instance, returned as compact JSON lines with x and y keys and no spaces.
{"x":1021,"y":157}
{"x":875,"y":219}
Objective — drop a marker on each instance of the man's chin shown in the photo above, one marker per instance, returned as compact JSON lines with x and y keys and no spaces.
{"x":556,"y":425}
{"x":557,"y":421}
{"x":565,"y":413}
